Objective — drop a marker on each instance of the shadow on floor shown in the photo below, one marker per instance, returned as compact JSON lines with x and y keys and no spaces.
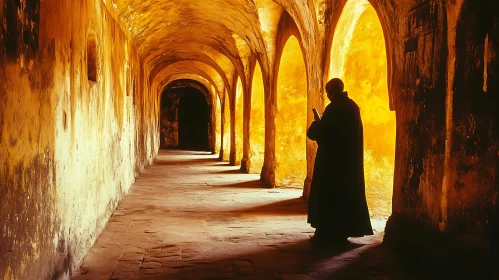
{"x":252,"y":184}
{"x":236,"y":170}
{"x":184,"y":152}
{"x":297,"y":260}
{"x":191,"y":161}
{"x":294,"y":206}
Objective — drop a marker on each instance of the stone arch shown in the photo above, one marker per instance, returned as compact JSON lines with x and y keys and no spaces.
{"x":194,"y":67}
{"x":204,"y":53}
{"x":216,"y":96}
{"x":382,"y":14}
{"x":169,"y":116}
{"x":226,"y":145}
{"x":206,"y":81}
{"x":291,"y":100}
{"x":256,"y":120}
{"x":198,"y":57}
{"x":268,"y":100}
{"x":237,"y":110}
{"x":287,"y":28}
{"x":303,"y":16}
{"x":358,"y":57}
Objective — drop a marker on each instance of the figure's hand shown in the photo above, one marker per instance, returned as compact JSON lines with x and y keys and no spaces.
{"x":317,"y":117}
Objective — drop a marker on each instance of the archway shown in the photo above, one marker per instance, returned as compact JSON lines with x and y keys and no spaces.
{"x":238,"y":122}
{"x":358,"y":56}
{"x":226,"y":128}
{"x":291,"y":117}
{"x":193,"y":121}
{"x":218,"y":124}
{"x":171,"y":97}
{"x":257,"y":122}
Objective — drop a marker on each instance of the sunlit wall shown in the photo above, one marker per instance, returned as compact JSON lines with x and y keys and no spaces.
{"x":238,"y":121}
{"x":291,"y":117}
{"x":226,"y":130}
{"x":358,"y":56}
{"x":257,"y":122}
{"x":218,"y":123}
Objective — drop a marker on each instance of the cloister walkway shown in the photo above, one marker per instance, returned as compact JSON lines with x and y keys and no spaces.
{"x":190,"y":216}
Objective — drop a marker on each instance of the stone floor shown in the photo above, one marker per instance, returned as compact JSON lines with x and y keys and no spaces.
{"x":190,"y":216}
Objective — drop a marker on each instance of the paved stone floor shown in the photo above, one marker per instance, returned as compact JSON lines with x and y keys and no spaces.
{"x":190,"y":216}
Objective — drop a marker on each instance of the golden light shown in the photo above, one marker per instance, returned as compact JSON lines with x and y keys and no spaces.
{"x":291,"y":117}
{"x":269,"y":14}
{"x":218,"y":123}
{"x":226,"y":126}
{"x":241,"y":45}
{"x":358,"y":56}
{"x":257,"y":122}
{"x":238,"y":121}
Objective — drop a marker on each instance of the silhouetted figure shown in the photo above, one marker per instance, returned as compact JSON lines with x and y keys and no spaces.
{"x":337,"y":205}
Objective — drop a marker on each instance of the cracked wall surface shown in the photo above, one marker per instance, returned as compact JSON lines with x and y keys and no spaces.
{"x":71,"y":148}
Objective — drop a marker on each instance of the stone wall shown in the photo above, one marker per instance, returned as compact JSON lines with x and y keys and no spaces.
{"x":444,"y":85}
{"x":70,"y":148}
{"x":472,"y":181}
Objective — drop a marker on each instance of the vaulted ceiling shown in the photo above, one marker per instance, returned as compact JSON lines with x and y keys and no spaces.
{"x":213,"y":39}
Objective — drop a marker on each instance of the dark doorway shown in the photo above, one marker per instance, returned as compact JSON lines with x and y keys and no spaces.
{"x":193,"y":121}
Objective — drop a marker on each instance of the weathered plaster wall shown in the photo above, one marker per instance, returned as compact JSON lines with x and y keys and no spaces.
{"x":445,"y":190}
{"x":472,"y":175}
{"x":70,"y":148}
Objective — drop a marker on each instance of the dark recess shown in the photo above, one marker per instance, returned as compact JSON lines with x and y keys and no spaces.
{"x":193,"y":121}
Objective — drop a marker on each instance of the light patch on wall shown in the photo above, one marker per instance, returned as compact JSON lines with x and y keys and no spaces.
{"x":343,"y":35}
{"x":218,"y":122}
{"x":257,"y":122}
{"x":269,"y":14}
{"x":238,"y":125}
{"x":320,"y":6}
{"x":486,"y":57}
{"x":8,"y":275}
{"x":358,"y":56}
{"x":226,"y":126}
{"x":291,"y":117}
{"x":242,"y":46}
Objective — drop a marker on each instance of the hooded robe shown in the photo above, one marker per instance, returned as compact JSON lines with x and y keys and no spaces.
{"x":337,"y":202}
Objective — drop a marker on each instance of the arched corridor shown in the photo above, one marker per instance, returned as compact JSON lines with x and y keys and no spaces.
{"x":97,"y":98}
{"x":238,"y":123}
